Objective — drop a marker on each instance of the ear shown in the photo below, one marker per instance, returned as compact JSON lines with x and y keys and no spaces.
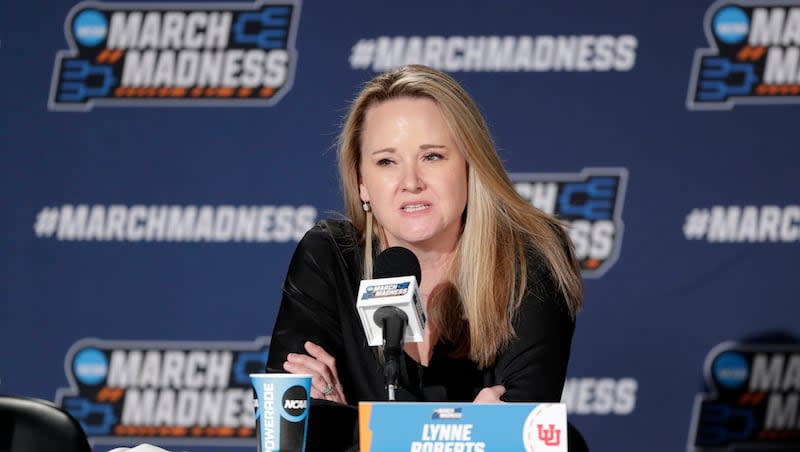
{"x":362,"y":192}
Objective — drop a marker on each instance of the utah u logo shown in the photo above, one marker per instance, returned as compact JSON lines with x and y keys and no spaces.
{"x":550,"y":436}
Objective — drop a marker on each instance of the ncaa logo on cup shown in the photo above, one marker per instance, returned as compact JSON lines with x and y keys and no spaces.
{"x":295,"y":401}
{"x":294,"y":404}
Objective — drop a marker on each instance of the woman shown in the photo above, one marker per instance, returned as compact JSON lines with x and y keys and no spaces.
{"x":499,"y":280}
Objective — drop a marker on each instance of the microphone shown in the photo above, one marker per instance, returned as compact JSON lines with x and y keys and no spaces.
{"x":390,"y":309}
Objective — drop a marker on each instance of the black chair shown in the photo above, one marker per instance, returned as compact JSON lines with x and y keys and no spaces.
{"x":575,"y":440}
{"x":34,"y":425}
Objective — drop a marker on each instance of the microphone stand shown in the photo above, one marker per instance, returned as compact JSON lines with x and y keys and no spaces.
{"x":393,"y":323}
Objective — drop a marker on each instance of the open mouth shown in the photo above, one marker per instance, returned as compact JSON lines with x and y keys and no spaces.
{"x":415,"y":207}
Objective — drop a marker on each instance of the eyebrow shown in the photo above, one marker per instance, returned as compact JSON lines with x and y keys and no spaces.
{"x":384,"y":150}
{"x":424,"y":147}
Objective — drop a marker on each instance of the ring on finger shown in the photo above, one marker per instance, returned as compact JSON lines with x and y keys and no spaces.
{"x":328,"y":389}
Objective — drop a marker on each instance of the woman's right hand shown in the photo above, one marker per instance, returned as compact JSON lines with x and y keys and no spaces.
{"x":322,"y":368}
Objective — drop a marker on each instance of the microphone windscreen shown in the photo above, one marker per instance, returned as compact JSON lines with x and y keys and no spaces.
{"x":396,"y":261}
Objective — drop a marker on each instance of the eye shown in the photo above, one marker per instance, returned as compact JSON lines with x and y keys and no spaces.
{"x":433,"y":156}
{"x":384,"y":162}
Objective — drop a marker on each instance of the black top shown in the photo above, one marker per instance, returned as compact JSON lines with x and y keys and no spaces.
{"x":319,"y":305}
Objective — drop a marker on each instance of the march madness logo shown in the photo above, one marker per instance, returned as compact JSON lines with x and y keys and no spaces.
{"x":754,"y":56}
{"x":385,"y":290}
{"x":590,"y":202}
{"x":180,"y":54}
{"x":752,"y":399}
{"x":167,"y":392}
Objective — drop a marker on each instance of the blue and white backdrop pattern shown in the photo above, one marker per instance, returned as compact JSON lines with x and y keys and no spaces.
{"x":159,"y":162}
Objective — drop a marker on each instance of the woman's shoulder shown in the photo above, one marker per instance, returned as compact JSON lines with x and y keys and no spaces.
{"x":542,"y":292}
{"x":542,"y":267}
{"x":543,"y":310}
{"x":333,"y":231}
{"x":540,"y":276}
{"x":331,"y":237}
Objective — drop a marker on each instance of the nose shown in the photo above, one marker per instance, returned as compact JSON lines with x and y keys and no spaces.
{"x":412,"y":180}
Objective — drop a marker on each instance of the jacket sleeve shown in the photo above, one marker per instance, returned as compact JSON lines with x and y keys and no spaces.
{"x":308,"y":310}
{"x":534,"y":365}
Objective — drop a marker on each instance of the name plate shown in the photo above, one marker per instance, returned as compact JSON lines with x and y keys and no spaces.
{"x":462,"y":427}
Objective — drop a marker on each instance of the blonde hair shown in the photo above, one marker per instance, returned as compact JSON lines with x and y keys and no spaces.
{"x":489,"y":274}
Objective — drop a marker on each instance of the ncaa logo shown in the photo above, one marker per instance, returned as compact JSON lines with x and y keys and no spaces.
{"x":295,"y":402}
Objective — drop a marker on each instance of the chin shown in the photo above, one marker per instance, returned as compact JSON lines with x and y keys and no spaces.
{"x":418,"y":234}
{"x":417,"y":239}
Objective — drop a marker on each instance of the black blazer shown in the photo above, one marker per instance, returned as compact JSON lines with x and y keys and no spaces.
{"x":319,"y":305}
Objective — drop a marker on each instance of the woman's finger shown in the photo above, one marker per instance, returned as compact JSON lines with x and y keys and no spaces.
{"x":319,"y":353}
{"x":325,"y":358}
{"x":315,"y":394}
{"x":318,"y":382}
{"x":314,"y":365}
{"x":322,"y":368}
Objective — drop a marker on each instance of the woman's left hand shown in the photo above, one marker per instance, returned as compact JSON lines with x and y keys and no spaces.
{"x":490,"y":394}
{"x":322,"y":368}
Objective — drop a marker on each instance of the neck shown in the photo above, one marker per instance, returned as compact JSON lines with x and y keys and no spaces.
{"x":434,"y":267}
{"x":435,"y":257}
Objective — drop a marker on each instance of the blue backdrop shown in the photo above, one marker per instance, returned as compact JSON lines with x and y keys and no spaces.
{"x":156,"y":177}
